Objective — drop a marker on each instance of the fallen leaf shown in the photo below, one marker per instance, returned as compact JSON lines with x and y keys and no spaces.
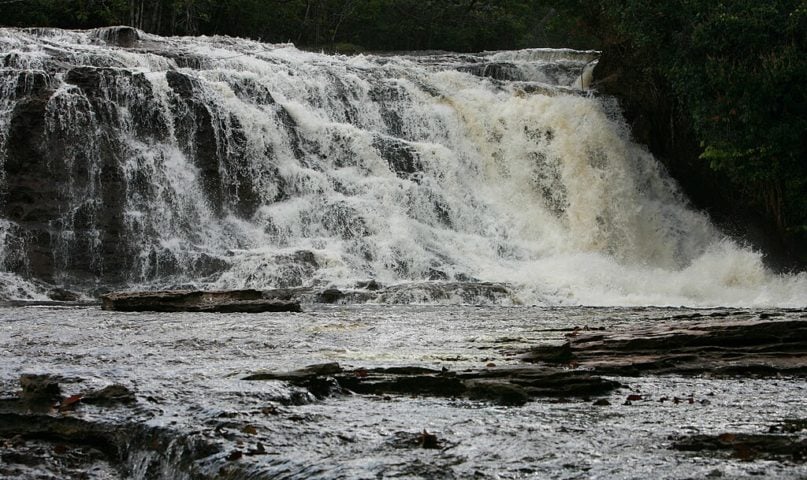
{"x":70,"y":403}
{"x":250,"y":430}
{"x":727,"y":437}
{"x":234,"y":455}
{"x":634,"y":397}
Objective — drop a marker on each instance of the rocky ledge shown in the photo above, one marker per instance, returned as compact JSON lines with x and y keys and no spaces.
{"x":511,"y":385}
{"x":704,"y":346}
{"x":225,"y":301}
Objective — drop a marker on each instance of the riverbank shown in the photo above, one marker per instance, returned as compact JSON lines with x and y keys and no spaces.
{"x":197,"y":414}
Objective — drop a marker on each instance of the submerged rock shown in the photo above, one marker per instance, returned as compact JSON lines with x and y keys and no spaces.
{"x":748,"y":447}
{"x":226,"y":301}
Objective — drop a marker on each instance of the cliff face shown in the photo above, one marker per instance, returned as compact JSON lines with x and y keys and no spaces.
{"x":36,"y":192}
{"x":659,"y":122}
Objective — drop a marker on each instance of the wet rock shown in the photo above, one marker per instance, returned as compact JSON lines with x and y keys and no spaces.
{"x":225,"y":301}
{"x":370,"y":285}
{"x":748,"y":447}
{"x":551,"y":354}
{"x":423,"y":439}
{"x":789,"y":426}
{"x":180,"y":83}
{"x":303,"y":373}
{"x":428,"y":440}
{"x":317,"y":379}
{"x":717,"y":347}
{"x":39,"y":389}
{"x":402,"y":157}
{"x":331,"y":295}
{"x":110,"y":395}
{"x":495,"y":70}
{"x":504,"y":386}
{"x":120,"y":36}
{"x":499,"y":392}
{"x":62,"y":446}
{"x":467,"y":292}
{"x":63,"y":295}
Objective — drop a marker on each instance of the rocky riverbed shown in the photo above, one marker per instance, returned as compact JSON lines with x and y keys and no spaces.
{"x":403,"y":391}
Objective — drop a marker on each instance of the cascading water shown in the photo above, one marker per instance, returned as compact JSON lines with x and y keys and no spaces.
{"x":131,"y":160}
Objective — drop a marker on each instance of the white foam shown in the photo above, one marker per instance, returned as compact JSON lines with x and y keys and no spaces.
{"x":394,"y":168}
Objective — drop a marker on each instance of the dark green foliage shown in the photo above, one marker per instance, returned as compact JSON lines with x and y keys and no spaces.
{"x":459,"y":25}
{"x":736,"y":70}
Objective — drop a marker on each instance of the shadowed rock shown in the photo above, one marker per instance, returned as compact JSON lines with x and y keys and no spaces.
{"x":227,"y":301}
{"x":39,"y":389}
{"x":110,"y":395}
{"x":504,"y":385}
{"x":748,"y":447}
{"x":687,"y":348}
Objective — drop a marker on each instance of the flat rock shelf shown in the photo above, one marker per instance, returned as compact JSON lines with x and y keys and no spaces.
{"x":222,"y":301}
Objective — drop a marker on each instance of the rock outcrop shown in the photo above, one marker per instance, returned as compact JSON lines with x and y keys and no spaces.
{"x":500,"y":385}
{"x":725,"y":347}
{"x":226,"y":301}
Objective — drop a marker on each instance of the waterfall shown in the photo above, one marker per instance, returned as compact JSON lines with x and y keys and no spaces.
{"x":216,"y":162}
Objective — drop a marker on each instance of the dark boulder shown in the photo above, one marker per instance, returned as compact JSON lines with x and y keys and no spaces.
{"x":39,"y":389}
{"x":331,"y":295}
{"x":63,"y":295}
{"x":503,"y":386}
{"x":108,"y":396}
{"x":120,"y":36}
{"x":226,"y":301}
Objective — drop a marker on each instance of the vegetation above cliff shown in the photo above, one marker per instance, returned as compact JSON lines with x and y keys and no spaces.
{"x":735,"y":71}
{"x":349,"y":25}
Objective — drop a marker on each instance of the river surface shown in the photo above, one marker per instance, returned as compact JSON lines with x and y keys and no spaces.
{"x":187,"y":370}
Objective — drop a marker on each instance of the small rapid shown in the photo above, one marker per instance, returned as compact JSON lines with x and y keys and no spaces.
{"x":135,"y":161}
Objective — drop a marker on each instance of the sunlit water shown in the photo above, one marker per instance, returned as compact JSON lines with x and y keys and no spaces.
{"x":186,"y":370}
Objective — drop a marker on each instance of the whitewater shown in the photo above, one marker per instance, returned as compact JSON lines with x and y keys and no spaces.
{"x":223,"y":163}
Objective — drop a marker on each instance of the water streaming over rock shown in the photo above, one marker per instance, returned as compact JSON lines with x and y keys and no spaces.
{"x":136,"y":161}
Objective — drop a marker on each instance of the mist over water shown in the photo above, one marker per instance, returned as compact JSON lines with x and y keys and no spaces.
{"x":227,"y":163}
